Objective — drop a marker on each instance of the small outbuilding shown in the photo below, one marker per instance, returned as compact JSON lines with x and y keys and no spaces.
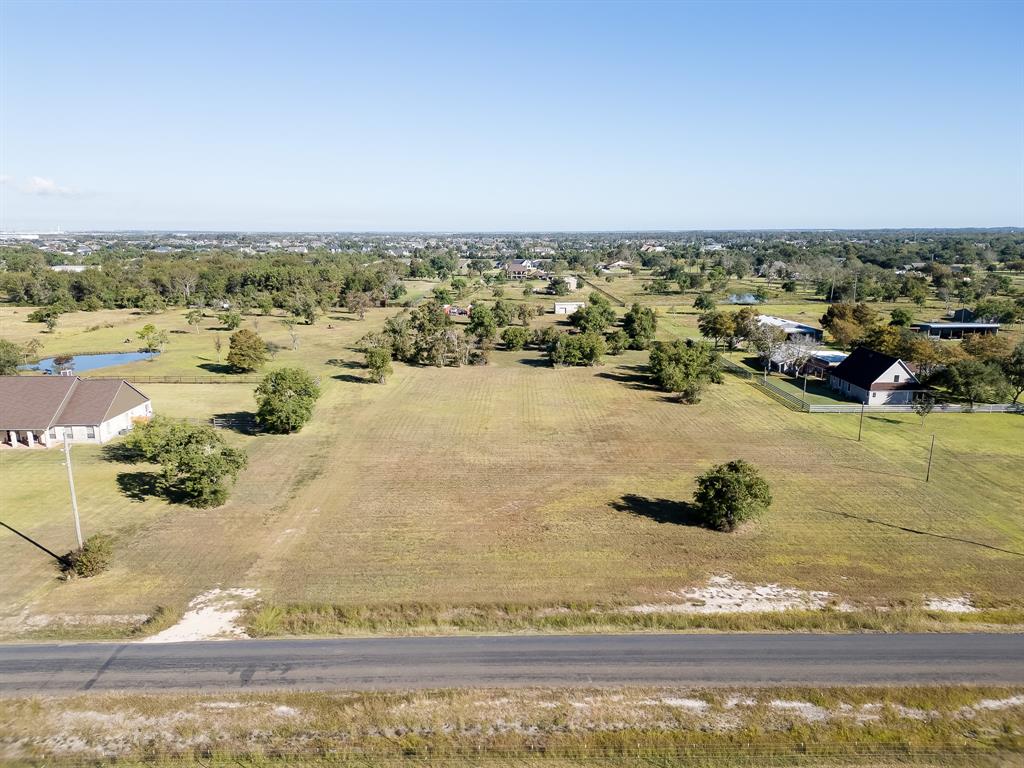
{"x":939,"y":329}
{"x":567,"y":307}
{"x":42,"y":410}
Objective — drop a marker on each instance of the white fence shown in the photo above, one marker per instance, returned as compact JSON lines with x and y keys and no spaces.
{"x":938,"y":408}
{"x":795,"y":403}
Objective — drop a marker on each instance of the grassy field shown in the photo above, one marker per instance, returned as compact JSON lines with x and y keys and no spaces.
{"x":512,"y":484}
{"x":630,"y":726}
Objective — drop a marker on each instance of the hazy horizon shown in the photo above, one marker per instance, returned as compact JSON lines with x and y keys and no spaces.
{"x":503,"y":232}
{"x":440,"y":117}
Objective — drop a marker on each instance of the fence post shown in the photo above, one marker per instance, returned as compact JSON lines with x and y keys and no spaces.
{"x":860,"y":429}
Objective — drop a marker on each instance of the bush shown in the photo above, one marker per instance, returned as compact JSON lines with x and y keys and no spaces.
{"x":618,"y":342}
{"x":285,"y":400}
{"x":704,"y":302}
{"x":578,"y":349}
{"x":197,"y":466}
{"x":515,"y":337}
{"x":730,"y":494}
{"x":378,"y":361}
{"x":43,"y":314}
{"x":10,"y":358}
{"x":685,"y":367}
{"x":543,"y":338}
{"x":91,"y":560}
{"x":247,"y":351}
{"x":639,"y":324}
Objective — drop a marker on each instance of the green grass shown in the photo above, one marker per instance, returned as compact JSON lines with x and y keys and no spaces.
{"x":513,"y":484}
{"x":526,"y":726}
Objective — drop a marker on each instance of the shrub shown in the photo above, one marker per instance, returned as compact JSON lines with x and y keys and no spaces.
{"x":197,"y":467}
{"x":515,"y":337}
{"x":704,"y":302}
{"x":618,"y":342}
{"x":247,"y":352}
{"x":543,"y":338}
{"x":577,"y":349}
{"x":640,"y":323}
{"x":729,"y":494}
{"x":378,"y":361}
{"x":43,"y":314}
{"x":685,"y":367}
{"x":285,"y":400}
{"x":10,"y":358}
{"x":91,"y":560}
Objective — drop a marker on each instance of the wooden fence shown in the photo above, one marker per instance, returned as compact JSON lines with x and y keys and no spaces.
{"x":615,"y":299}
{"x":181,"y":379}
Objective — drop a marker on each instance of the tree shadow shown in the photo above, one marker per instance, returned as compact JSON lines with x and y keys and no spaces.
{"x":138,"y":486}
{"x":872,"y":521}
{"x":351,"y":378}
{"x":243,"y":422}
{"x":121,"y":453}
{"x":217,"y":367}
{"x":339,"y":363}
{"x":632,"y":380}
{"x":669,"y":511}
{"x":535,"y":362}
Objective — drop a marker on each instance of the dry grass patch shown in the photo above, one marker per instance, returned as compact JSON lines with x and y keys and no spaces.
{"x":719,"y":726}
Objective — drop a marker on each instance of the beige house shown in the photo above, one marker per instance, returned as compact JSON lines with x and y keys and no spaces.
{"x":874,"y":378}
{"x":42,"y":410}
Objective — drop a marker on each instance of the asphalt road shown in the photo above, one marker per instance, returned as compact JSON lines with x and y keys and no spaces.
{"x":559,"y":660}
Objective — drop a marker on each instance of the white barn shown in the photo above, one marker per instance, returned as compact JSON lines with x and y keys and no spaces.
{"x":567,"y":307}
{"x":42,"y":410}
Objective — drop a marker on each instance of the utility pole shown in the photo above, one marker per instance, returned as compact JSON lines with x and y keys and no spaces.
{"x":71,"y":485}
{"x":860,"y":429}
{"x":931,"y":451}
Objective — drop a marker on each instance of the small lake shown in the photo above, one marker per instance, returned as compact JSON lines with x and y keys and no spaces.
{"x":82,"y":363}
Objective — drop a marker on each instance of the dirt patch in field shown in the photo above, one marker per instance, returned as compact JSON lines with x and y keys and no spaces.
{"x":961,"y":604}
{"x":213,"y":615}
{"x":725,"y":595}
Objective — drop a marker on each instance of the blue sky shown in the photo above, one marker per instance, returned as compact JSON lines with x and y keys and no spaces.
{"x":474,"y":116}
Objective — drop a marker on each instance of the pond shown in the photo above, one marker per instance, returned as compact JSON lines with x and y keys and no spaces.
{"x":82,"y":363}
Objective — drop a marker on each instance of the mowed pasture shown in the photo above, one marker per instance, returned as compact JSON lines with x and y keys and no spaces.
{"x":512,"y":483}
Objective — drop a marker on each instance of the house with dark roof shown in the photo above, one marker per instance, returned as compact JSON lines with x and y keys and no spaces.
{"x":43,"y":410}
{"x":874,"y":378}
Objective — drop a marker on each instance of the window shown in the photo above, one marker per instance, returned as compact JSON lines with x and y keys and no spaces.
{"x":53,"y":433}
{"x":90,"y":432}
{"x":69,"y":432}
{"x":896,"y":379}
